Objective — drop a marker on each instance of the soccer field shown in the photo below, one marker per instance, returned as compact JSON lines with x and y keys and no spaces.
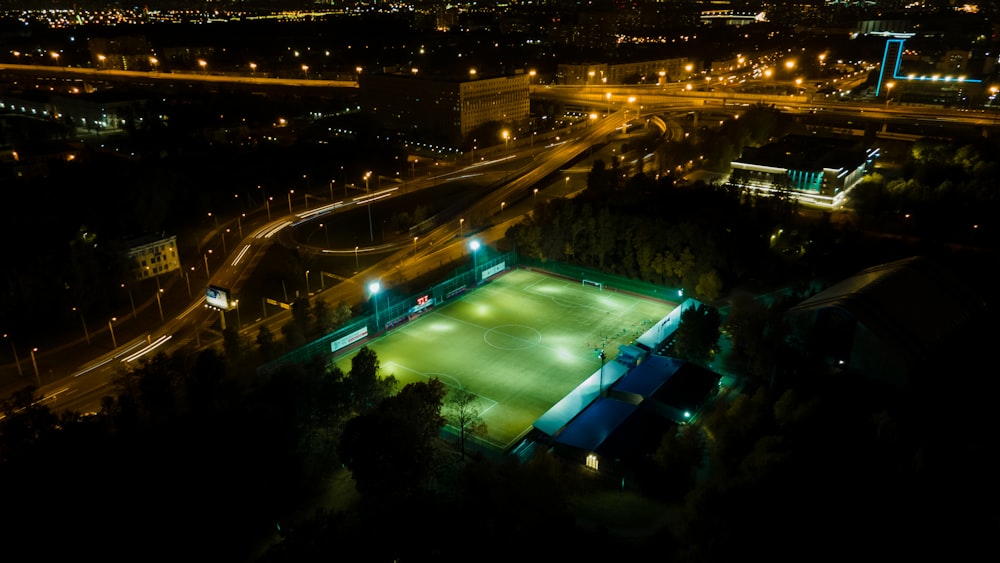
{"x":520,"y":343}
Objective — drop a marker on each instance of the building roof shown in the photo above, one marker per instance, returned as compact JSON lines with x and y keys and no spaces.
{"x":914,"y":303}
{"x":578,"y":399}
{"x":806,"y":152}
{"x":670,"y":381}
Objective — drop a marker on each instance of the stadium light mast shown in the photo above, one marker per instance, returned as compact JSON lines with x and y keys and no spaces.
{"x":474,"y":246}
{"x":373,"y":289}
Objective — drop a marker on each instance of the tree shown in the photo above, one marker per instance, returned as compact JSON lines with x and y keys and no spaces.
{"x":366,"y":388}
{"x":390,"y":450}
{"x":232,"y":343}
{"x":25,"y":422}
{"x":322,"y":317}
{"x":679,"y":457}
{"x":302,"y":314}
{"x":265,"y":343}
{"x":698,"y":334}
{"x":462,"y":409}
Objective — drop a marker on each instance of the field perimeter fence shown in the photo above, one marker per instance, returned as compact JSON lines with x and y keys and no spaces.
{"x":608,"y":281}
{"x":393,"y":310}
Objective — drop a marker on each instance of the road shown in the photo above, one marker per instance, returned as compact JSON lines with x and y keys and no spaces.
{"x":86,"y":381}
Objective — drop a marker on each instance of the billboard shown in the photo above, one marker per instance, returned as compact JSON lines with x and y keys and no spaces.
{"x":218,"y":298}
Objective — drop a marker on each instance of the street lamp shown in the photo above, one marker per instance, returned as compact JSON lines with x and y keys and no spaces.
{"x":536,"y":195}
{"x":38,"y":378}
{"x":159,"y":304}
{"x":502,"y":205}
{"x":888,"y":90}
{"x":373,"y":289}
{"x":84,"y":323}
{"x":356,"y":267}
{"x":461,"y":223}
{"x":474,"y":246}
{"x":253,"y":69}
{"x":267,"y":204}
{"x":326,"y":231}
{"x":130,"y":300}
{"x":290,"y":192}
{"x":208,"y":274}
{"x":506,"y":137}
{"x":203,"y":63}
{"x":371,"y":234}
{"x":415,"y":246}
{"x":14,"y":351}
{"x":307,"y":282}
{"x":111,"y":328}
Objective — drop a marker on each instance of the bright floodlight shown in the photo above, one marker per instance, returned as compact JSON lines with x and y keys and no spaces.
{"x":474,"y":245}
{"x":374,"y":288}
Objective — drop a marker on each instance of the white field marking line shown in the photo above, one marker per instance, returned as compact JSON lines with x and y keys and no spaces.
{"x":631,"y":300}
{"x":518,"y":339}
{"x":457,"y":384}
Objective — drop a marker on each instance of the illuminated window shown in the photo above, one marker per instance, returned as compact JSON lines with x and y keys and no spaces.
{"x":592,"y":462}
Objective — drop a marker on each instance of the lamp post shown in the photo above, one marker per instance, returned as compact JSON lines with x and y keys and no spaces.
{"x":187,"y":278}
{"x":461,"y":224}
{"x":267,"y":204}
{"x":888,"y":91}
{"x":86,"y":334}
{"x":474,"y":246}
{"x":600,"y":385}
{"x":502,"y":205}
{"x":307,"y":282}
{"x":130,"y":300}
{"x":415,"y":246}
{"x":34,"y":363}
{"x":326,"y":231}
{"x":159,"y":303}
{"x":111,"y":328}
{"x":371,"y":234}
{"x":290,"y":192}
{"x":373,"y":289}
{"x":356,"y":267}
{"x":607,"y":95}
{"x":14,"y":351}
{"x":208,"y":274}
{"x":506,"y":138}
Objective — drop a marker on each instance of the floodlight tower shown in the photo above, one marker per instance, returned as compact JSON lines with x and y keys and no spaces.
{"x":474,"y":246}
{"x":373,"y":289}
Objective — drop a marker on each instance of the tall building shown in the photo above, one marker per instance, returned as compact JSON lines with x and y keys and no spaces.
{"x":444,"y":111}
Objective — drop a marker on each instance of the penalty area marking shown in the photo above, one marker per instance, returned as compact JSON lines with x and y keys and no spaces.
{"x":445,"y":378}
